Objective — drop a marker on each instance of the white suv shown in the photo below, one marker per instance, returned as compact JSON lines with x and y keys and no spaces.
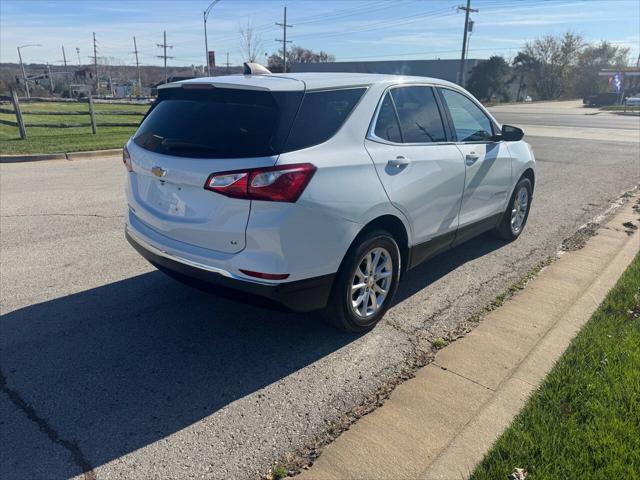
{"x":319,"y":190}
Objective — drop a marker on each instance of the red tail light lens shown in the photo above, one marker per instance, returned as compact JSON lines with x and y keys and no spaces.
{"x":283,"y":183}
{"x":126,"y":159}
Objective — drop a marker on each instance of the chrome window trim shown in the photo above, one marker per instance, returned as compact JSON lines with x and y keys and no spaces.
{"x":371,"y":135}
{"x":366,"y":86}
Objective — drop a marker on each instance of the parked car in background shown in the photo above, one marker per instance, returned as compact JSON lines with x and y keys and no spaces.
{"x":633,"y":101}
{"x":601,"y":99}
{"x":319,"y":190}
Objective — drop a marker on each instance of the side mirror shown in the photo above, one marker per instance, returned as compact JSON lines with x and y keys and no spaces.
{"x":511,"y":134}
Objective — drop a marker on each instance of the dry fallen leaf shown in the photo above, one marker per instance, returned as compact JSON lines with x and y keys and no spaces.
{"x":518,"y":474}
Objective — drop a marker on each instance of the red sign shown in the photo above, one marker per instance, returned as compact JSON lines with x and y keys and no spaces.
{"x":212,"y":59}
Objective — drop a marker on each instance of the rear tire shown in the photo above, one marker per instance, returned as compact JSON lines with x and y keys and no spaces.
{"x":517,"y":212}
{"x":366,"y":283}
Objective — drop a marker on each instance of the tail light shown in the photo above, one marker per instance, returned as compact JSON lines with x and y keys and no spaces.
{"x":283,"y":183}
{"x":126,"y":159}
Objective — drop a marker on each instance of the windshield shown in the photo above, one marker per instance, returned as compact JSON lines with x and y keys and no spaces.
{"x":218,"y":122}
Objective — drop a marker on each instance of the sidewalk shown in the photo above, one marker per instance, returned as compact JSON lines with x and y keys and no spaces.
{"x":440,"y":424}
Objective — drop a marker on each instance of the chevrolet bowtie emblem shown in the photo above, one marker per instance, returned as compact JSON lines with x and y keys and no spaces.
{"x":158,"y":171}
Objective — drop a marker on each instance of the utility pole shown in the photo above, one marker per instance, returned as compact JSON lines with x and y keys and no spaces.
{"x":205,"y":15}
{"x":51,"y":85}
{"x":470,"y":31}
{"x":228,"y":63}
{"x":64,"y":60}
{"x":467,"y":10}
{"x":164,"y":46}
{"x":24,"y":75}
{"x":78,"y":52}
{"x":135,"y":50}
{"x":95,"y":64}
{"x":284,"y":40}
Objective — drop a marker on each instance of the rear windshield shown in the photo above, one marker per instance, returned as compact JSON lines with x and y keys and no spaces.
{"x":218,"y":122}
{"x":234,"y":123}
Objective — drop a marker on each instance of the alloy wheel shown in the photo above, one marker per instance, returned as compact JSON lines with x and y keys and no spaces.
{"x":371,"y":282}
{"x":519,"y":210}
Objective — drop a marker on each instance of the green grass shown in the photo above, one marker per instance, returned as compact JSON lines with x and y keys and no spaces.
{"x":584,"y":420}
{"x":279,"y":472}
{"x":439,"y":343}
{"x":73,"y":120}
{"x":61,"y":140}
{"x":75,"y":137}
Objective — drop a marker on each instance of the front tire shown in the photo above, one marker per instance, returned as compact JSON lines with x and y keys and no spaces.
{"x":366,"y":283}
{"x":517,"y":212}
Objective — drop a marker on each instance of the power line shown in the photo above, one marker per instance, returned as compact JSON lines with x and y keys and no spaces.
{"x":384,"y":24}
{"x":430,"y":52}
{"x":335,"y":15}
{"x":284,"y":40}
{"x":164,"y":46}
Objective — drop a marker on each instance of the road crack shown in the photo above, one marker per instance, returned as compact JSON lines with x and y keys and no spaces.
{"x":21,"y":404}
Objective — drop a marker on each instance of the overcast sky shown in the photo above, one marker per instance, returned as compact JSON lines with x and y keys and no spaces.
{"x":348,"y":29}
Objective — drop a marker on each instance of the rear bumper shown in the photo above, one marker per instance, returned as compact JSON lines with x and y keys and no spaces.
{"x":298,"y":296}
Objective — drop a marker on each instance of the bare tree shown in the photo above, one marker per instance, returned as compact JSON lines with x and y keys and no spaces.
{"x":297,"y":54}
{"x":553,"y":58}
{"x":251,"y":42}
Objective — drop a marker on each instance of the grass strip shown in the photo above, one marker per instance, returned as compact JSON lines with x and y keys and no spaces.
{"x":62,"y":140}
{"x":584,"y":420}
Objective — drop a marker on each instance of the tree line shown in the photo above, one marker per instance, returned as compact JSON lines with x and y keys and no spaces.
{"x":548,"y":68}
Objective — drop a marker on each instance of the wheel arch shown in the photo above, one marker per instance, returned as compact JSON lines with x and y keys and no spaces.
{"x":394,"y":226}
{"x":530,"y":174}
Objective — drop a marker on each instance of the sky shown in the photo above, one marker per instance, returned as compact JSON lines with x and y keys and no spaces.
{"x":348,"y":29}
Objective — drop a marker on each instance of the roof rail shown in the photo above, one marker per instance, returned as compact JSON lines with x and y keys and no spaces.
{"x":251,"y":68}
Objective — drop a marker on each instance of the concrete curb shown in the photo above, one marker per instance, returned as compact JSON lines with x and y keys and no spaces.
{"x":94,"y":154}
{"x":60,"y":156}
{"x":32,"y":158}
{"x":440,"y":424}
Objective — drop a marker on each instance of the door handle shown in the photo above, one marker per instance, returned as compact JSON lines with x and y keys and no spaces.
{"x":471,"y":158}
{"x":399,"y":162}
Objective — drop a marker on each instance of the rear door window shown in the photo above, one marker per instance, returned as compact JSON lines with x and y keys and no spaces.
{"x":321,"y":115}
{"x":218,"y":122}
{"x":470,"y":123}
{"x":420,"y":119}
{"x":387,"y":126}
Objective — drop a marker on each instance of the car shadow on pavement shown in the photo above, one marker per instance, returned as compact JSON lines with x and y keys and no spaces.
{"x":117,"y":367}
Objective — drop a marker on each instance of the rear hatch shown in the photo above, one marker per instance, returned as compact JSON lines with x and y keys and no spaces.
{"x":194,"y":130}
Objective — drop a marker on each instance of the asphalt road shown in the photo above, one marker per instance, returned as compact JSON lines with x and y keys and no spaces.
{"x":563,"y":114}
{"x":106,"y":363}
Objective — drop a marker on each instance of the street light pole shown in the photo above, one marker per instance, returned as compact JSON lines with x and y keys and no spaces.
{"x":205,"y":15}
{"x":24,"y":75}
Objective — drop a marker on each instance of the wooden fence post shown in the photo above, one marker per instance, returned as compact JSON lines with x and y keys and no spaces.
{"x":18,"y":112}
{"x":93,"y":115}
